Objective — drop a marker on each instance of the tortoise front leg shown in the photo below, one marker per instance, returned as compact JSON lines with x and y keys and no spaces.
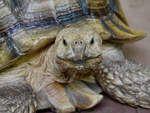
{"x":16,"y":95}
{"x":65,"y":98}
{"x":124,"y":80}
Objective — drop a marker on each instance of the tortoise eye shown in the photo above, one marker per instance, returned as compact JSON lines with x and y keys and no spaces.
{"x":64,"y":42}
{"x":92,"y":41}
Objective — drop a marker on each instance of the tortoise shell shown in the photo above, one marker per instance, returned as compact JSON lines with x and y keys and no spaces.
{"x":28,"y":25}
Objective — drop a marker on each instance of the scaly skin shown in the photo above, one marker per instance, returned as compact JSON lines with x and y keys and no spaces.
{"x":124,"y":80}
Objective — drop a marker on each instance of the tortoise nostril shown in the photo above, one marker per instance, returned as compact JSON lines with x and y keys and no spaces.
{"x":78,"y":42}
{"x":78,"y":50}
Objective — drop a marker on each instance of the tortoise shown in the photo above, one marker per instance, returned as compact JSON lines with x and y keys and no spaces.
{"x":61,"y":54}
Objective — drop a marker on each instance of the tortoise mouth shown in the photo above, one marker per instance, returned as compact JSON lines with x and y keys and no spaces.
{"x":76,"y":70}
{"x":80,"y":64}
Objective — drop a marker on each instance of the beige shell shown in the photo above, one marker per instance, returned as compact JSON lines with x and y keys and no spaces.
{"x":28,"y":25}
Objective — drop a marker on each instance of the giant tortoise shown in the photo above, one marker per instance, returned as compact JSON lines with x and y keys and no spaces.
{"x":61,"y":54}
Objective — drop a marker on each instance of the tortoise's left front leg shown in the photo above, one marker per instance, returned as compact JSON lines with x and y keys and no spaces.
{"x":65,"y":98}
{"x":124,"y":80}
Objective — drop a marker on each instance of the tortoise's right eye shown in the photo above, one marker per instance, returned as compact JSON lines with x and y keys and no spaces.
{"x":64,"y":42}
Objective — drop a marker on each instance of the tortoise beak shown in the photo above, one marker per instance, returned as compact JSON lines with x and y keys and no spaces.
{"x":78,"y":50}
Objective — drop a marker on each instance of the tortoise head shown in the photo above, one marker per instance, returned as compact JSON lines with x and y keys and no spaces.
{"x":78,"y":50}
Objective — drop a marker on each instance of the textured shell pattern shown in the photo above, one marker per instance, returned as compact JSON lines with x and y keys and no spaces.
{"x":27,"y":25}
